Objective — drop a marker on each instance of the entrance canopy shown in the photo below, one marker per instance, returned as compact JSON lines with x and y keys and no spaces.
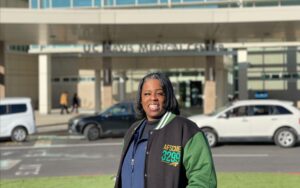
{"x":82,"y":26}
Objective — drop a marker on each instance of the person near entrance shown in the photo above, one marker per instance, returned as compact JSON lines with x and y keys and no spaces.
{"x":64,"y":102}
{"x":75,"y":103}
{"x":163,"y":149}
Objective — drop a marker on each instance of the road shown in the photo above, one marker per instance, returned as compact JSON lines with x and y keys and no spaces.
{"x":62,"y":155}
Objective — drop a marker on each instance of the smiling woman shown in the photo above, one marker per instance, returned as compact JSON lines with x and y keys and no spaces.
{"x":163,"y":149}
{"x":153,"y":98}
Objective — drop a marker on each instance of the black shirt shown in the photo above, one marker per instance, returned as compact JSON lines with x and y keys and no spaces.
{"x":150,"y":125}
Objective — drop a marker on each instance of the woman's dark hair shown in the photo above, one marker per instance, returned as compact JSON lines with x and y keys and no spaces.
{"x":171,"y":103}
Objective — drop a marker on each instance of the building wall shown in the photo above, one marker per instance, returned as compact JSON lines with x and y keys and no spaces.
{"x":21,"y":76}
{"x":14,"y":3}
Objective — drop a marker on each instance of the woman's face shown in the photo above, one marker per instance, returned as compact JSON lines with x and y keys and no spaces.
{"x":153,"y":99}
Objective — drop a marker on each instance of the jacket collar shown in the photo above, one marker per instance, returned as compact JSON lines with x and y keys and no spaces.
{"x":169,"y":116}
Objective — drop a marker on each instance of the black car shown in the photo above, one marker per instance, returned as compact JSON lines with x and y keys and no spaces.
{"x":113,"y":121}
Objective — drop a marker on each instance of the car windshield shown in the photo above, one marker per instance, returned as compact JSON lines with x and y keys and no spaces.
{"x":118,"y":109}
{"x":219,"y":110}
{"x":106,"y":110}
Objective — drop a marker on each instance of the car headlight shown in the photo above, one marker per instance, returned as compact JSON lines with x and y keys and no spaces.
{"x":75,"y":121}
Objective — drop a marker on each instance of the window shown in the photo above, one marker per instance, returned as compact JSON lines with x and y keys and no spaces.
{"x":82,"y":3}
{"x":60,"y":3}
{"x":3,"y":109}
{"x":12,"y":109}
{"x":238,"y":112}
{"x":279,"y":110}
{"x":34,"y":4}
{"x":119,"y":110}
{"x":97,"y":3}
{"x":18,"y":108}
{"x":260,"y":110}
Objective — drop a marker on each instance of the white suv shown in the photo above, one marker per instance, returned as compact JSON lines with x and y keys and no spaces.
{"x":252,"y":120}
{"x":16,"y":118}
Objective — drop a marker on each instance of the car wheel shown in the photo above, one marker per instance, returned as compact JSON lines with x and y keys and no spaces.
{"x":92,"y":132}
{"x":211,"y":136}
{"x":19,"y":134}
{"x":285,"y":138}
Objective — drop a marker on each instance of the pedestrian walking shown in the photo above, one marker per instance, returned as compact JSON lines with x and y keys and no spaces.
{"x":64,"y":102}
{"x":75,"y":103}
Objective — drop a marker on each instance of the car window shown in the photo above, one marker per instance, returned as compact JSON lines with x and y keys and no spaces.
{"x":219,"y":110}
{"x":237,"y":112}
{"x":240,"y":111}
{"x":13,"y":109}
{"x":279,"y":110}
{"x":3,"y":109}
{"x":18,"y":108}
{"x":119,"y":109}
{"x":260,"y":110}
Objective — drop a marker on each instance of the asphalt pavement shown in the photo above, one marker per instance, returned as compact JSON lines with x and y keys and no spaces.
{"x":56,"y":153}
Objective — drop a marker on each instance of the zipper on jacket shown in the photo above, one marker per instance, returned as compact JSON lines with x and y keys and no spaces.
{"x":132,"y":165}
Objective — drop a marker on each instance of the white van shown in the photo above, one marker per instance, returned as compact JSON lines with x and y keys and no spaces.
{"x":16,"y":118}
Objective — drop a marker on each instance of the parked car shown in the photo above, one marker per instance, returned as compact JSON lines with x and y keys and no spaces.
{"x":113,"y":121}
{"x":16,"y":118}
{"x":252,"y":120}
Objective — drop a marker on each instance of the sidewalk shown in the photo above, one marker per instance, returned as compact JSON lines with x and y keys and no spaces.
{"x":54,"y":122}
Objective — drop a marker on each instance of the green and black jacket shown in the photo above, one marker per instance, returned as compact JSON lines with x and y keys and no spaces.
{"x":177,"y":155}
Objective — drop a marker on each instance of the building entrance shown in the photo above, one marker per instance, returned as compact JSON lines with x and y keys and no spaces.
{"x":190,"y":94}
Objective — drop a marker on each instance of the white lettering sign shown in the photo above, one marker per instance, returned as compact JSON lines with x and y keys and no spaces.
{"x":146,"y":48}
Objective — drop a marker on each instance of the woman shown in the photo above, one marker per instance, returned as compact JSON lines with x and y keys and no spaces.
{"x":163,"y":150}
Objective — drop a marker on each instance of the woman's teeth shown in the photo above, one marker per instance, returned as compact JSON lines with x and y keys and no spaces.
{"x":153,"y":107}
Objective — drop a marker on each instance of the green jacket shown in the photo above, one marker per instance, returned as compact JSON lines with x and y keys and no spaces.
{"x":177,"y":155}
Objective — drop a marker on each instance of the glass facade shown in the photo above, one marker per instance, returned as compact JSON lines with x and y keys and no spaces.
{"x":159,"y":3}
{"x":61,"y":3}
{"x":269,"y":69}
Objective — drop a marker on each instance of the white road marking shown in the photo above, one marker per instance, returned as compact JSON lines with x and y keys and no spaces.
{"x":36,"y":153}
{"x":7,"y":153}
{"x":45,"y":154}
{"x":241,"y":155}
{"x":60,"y":146}
{"x":31,"y":169}
{"x":41,"y":143}
{"x":48,"y":137}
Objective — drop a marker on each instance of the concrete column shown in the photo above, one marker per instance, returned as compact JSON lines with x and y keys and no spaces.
{"x":97,"y":90}
{"x":209,"y":104}
{"x":122,"y":86}
{"x":221,"y":85}
{"x":242,"y":74}
{"x":45,"y":84}
{"x":2,"y":69}
{"x":292,"y":68}
{"x":107,"y":95}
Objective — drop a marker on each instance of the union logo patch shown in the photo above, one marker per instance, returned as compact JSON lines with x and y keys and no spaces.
{"x":171,"y":155}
